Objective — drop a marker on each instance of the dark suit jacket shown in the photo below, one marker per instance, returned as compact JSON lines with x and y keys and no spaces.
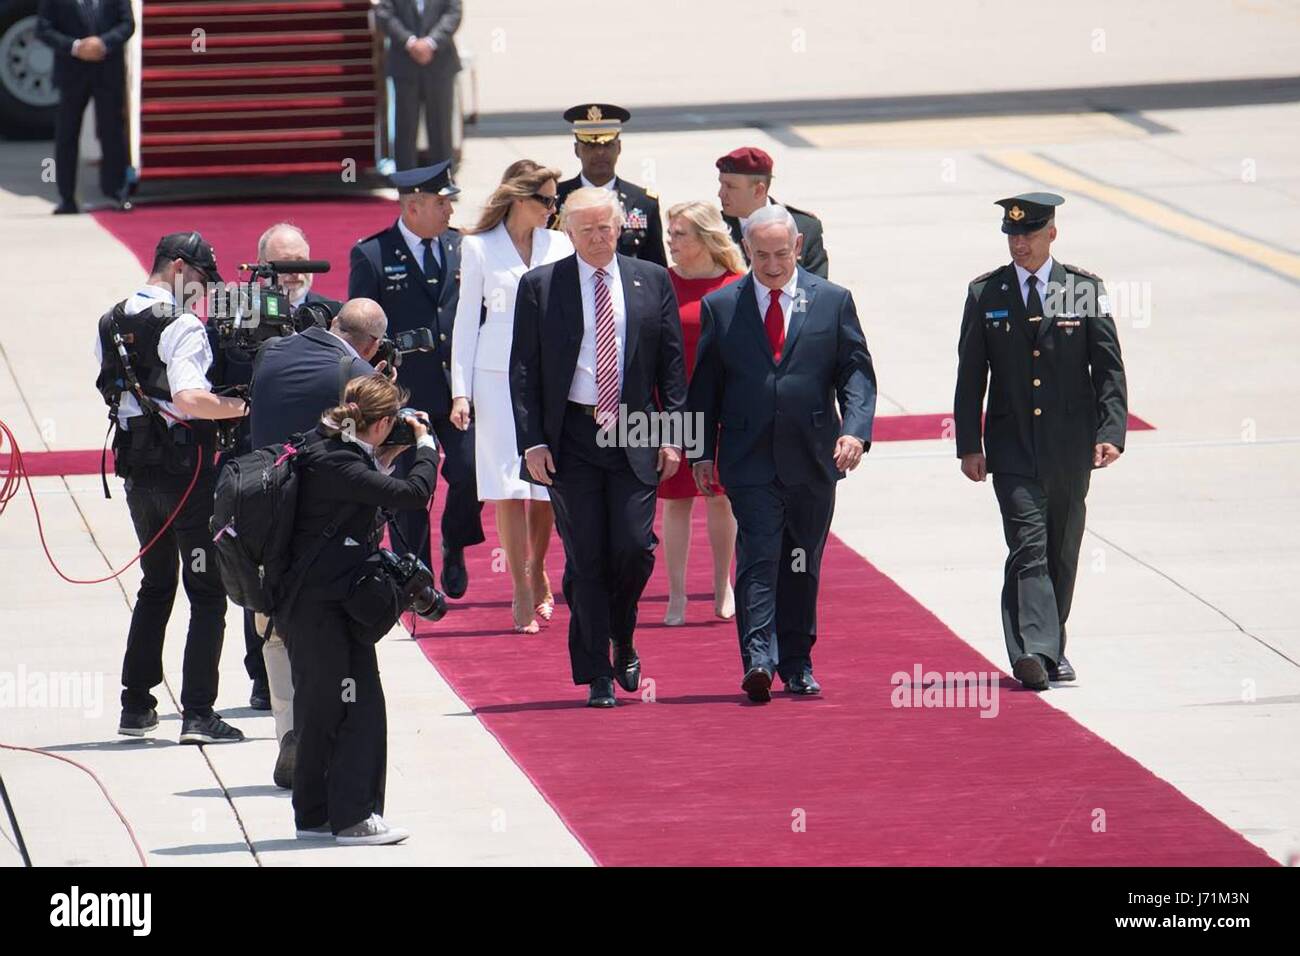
{"x":401,"y":20}
{"x":336,"y":477}
{"x":59,"y":22}
{"x":548,"y":334}
{"x":812,"y":257}
{"x":297,"y":378}
{"x":640,"y":241}
{"x":1069,"y":368}
{"x":780,"y":420}
{"x":383,"y":269}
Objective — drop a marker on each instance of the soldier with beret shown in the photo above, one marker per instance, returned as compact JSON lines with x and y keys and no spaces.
{"x":412,"y":269}
{"x":1038,"y":334}
{"x":596,"y":143}
{"x":744,"y":178}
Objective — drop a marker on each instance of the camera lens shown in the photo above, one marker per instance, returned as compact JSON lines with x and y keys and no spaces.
{"x":430,"y":604}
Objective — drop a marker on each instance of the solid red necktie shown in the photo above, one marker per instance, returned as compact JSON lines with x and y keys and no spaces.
{"x":774,"y":322}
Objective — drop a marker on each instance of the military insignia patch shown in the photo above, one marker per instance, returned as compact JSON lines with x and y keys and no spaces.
{"x":636,"y":219}
{"x":1016,"y":214}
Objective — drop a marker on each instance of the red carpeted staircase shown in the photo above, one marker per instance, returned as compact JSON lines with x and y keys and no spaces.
{"x":281,"y":87}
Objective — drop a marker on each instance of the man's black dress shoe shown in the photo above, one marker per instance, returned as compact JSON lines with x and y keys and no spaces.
{"x":1060,"y":672}
{"x":66,"y":209}
{"x":1029,"y":670}
{"x":627,"y":668}
{"x":455,"y":578}
{"x":260,"y":698}
{"x":803,"y":684}
{"x":758,"y":685}
{"x":601,"y":693}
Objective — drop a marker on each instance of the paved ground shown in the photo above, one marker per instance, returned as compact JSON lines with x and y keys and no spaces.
{"x":1184,"y":625}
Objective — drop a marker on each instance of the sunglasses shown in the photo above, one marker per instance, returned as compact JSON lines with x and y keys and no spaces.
{"x":550,"y":202}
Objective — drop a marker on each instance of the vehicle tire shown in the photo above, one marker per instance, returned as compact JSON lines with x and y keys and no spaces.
{"x":28,"y":97}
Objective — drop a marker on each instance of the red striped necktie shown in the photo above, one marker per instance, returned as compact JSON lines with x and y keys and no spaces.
{"x":606,"y":354}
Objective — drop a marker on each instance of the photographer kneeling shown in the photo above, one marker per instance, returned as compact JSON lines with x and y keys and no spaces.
{"x":339,"y":715}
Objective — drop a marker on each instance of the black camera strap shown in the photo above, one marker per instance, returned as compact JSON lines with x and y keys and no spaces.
{"x":297,"y":574}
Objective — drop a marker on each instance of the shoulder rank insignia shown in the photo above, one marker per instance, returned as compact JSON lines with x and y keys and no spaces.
{"x":1083,"y":272}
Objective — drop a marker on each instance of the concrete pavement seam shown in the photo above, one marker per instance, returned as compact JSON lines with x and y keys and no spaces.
{"x":1188,"y":591}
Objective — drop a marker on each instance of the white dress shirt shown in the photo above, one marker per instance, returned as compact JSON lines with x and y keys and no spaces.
{"x":1043,"y":272}
{"x":590,"y":185}
{"x":583,"y":389}
{"x":183,"y":348}
{"x":416,"y":244}
{"x":764,"y":296}
{"x":490,"y":270}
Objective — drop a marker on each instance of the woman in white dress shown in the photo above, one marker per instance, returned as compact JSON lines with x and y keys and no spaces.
{"x":510,"y":238}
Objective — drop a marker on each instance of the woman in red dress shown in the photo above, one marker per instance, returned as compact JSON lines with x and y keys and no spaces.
{"x":704,"y":259}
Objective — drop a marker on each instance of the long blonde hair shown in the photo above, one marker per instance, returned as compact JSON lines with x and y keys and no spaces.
{"x":522,"y":178}
{"x":711,"y":230}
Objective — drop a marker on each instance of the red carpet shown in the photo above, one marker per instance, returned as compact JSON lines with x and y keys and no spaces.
{"x":702,"y":777}
{"x":332,"y":226}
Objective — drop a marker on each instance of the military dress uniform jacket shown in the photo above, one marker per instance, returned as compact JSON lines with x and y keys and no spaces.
{"x":643,"y":232}
{"x":813,"y":256}
{"x":1056,"y":386}
{"x":382,"y":268}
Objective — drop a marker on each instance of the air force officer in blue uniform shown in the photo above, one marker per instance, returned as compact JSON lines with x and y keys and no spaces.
{"x":412,"y":269}
{"x":779,"y":351}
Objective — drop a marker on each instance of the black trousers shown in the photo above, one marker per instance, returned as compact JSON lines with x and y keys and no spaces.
{"x":106,"y":85}
{"x":1043,"y":520}
{"x":151,"y":499}
{"x":339,"y":716}
{"x":462,"y":513}
{"x":605,"y":516}
{"x":254,"y":663}
{"x":431,"y":92}
{"x":780,"y":536}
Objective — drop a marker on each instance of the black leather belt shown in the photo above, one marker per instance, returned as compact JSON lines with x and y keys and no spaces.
{"x":585,"y":409}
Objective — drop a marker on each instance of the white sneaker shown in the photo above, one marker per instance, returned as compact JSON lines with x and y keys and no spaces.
{"x":372,"y":831}
{"x":322,"y":832}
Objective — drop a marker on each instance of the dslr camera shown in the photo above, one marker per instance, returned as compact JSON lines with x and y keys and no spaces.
{"x":415,"y":584}
{"x":392,"y":349}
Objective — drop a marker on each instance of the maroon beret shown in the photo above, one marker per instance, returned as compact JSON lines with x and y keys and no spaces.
{"x":748,"y":160}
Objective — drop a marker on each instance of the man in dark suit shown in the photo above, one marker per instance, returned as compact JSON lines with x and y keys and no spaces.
{"x":412,"y":269}
{"x":423,"y":62}
{"x":778,"y":349}
{"x":744,"y":178}
{"x":597,"y":144}
{"x":596,"y":337}
{"x":88,"y":38}
{"x":1038,"y":334}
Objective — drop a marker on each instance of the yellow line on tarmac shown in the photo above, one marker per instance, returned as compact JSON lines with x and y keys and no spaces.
{"x":1164,"y":217}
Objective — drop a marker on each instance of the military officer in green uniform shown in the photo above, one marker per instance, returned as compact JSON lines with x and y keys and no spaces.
{"x":1038,"y":335}
{"x":596,"y":143}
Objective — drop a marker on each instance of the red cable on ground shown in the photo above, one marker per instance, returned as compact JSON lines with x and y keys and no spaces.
{"x":11,"y":481}
{"x":116,"y":809}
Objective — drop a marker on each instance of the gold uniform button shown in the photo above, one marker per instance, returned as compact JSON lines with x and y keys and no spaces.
{"x":1038,"y":411}
{"x":442,"y":336}
{"x":1035,"y":353}
{"x":444,"y":365}
{"x":1037,"y":382}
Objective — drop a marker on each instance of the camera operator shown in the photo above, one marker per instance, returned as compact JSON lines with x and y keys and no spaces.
{"x":296,"y":377}
{"x":339,"y":714}
{"x":233,"y":366}
{"x":283,"y":241}
{"x":164,"y":406}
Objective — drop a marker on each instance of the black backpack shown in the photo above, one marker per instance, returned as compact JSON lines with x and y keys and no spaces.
{"x":253,"y":514}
